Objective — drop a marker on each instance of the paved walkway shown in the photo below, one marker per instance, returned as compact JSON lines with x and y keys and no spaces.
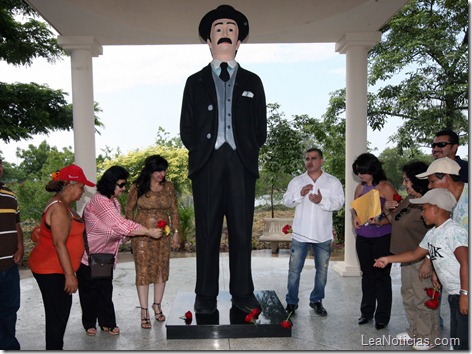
{"x":338,"y":331}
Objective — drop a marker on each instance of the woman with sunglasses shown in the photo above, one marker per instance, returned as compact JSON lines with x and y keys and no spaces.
{"x":152,"y":200}
{"x":408,"y":230}
{"x":373,"y":241}
{"x":105,"y":229}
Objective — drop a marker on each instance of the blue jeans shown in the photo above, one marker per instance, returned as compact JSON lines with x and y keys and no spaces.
{"x":298,"y":252}
{"x":459,"y":324}
{"x":9,"y":305}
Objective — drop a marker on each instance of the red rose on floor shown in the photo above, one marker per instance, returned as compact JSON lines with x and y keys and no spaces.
{"x":397,"y":197}
{"x":250,"y":318}
{"x":287,"y":229}
{"x":255,"y":312}
{"x":187,"y":317}
{"x":286,"y":323}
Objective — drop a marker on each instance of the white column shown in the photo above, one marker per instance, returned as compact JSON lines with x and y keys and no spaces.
{"x":356,"y":47}
{"x":81,"y":50}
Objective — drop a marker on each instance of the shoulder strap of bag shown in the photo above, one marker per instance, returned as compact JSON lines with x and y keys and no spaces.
{"x":85,"y":238}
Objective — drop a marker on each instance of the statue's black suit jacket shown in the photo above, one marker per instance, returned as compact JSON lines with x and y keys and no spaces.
{"x":199,"y":118}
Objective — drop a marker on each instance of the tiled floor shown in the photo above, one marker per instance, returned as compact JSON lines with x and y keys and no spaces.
{"x":338,"y":331}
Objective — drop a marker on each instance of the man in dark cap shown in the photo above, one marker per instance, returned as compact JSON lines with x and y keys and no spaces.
{"x":223,"y":124}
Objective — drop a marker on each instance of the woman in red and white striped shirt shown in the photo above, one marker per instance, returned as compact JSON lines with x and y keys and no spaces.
{"x":106,"y":228}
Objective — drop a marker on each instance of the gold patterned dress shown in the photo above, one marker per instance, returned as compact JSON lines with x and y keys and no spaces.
{"x":151,"y":256}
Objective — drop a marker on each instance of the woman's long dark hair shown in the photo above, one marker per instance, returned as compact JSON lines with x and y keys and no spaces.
{"x":369,"y":164}
{"x":106,"y":185}
{"x":151,"y":164}
{"x":411,"y":169}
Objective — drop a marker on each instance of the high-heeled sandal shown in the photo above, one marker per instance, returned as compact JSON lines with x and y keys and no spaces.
{"x":145,"y":321}
{"x":158,"y":314}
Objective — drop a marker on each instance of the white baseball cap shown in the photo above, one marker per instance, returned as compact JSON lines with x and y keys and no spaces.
{"x":437,"y":196}
{"x":442,"y":165}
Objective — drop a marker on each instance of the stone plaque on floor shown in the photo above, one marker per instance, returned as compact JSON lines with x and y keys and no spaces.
{"x":227,"y":321}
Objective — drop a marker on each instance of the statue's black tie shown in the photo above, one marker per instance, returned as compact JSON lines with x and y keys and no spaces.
{"x":224,"y":74}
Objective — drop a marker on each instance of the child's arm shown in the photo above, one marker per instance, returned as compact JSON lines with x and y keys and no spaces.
{"x":409,"y":256}
{"x":461,"y":254}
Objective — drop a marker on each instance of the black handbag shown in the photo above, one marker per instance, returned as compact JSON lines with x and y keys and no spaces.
{"x":100,"y":264}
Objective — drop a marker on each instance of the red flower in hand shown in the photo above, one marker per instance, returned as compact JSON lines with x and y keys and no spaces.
{"x":287,"y":229}
{"x":287,"y":323}
{"x":162,"y":224}
{"x":432,"y":304}
{"x":397,"y":197}
{"x":434,"y":294}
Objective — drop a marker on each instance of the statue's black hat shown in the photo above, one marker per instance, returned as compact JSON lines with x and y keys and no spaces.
{"x":223,"y":11}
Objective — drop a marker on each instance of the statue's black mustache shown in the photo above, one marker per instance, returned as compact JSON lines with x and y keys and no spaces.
{"x":222,"y":40}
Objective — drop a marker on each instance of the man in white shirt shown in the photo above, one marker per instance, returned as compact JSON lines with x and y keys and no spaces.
{"x":315,"y":195}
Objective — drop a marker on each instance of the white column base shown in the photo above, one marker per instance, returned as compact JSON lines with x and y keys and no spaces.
{"x":346,"y":270}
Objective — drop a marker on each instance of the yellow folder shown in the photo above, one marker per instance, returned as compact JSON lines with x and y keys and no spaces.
{"x":367,"y":206}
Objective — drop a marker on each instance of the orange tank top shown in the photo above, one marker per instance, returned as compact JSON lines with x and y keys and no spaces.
{"x":43,"y":258}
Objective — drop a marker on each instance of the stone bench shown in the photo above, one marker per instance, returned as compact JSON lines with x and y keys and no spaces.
{"x":273,"y":232}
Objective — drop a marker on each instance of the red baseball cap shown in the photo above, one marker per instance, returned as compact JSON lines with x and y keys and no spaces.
{"x":72,"y":173}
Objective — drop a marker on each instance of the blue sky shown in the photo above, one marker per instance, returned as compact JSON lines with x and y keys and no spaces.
{"x":139,"y":88}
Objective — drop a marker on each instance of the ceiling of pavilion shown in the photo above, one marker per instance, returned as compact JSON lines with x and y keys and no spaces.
{"x":150,"y":22}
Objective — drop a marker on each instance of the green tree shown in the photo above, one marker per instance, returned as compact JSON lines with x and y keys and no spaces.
{"x":281,"y":155}
{"x":427,"y":42}
{"x":133,"y":161}
{"x":30,"y":190}
{"x":28,"y":109}
{"x":34,"y":158}
{"x":392,"y":163}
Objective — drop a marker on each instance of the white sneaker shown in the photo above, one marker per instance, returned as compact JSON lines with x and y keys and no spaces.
{"x":423,"y":346}
{"x":404,"y":336}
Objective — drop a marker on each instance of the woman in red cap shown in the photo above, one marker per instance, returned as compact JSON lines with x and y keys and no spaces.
{"x":56,"y":257}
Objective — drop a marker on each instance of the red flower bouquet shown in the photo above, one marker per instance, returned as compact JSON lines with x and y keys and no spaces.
{"x":287,"y":229}
{"x":434,"y":294}
{"x":162,"y":224}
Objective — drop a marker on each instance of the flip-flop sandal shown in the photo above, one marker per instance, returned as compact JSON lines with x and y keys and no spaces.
{"x":91,"y":331}
{"x":111,"y":330}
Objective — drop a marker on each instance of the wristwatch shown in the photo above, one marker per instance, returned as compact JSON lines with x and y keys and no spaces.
{"x":463,"y":292}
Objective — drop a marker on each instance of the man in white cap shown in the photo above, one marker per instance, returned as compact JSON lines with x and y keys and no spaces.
{"x":447,"y":245}
{"x":223,"y":124}
{"x":444,"y":173}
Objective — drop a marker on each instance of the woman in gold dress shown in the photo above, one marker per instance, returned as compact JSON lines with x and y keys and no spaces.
{"x":152,"y":199}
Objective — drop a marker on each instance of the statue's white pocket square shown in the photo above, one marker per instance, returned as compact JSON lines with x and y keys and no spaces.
{"x":248,"y":94}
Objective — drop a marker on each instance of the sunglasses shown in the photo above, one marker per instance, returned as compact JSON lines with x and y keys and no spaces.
{"x":121,"y":185}
{"x":402,"y":212}
{"x":441,"y":144}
